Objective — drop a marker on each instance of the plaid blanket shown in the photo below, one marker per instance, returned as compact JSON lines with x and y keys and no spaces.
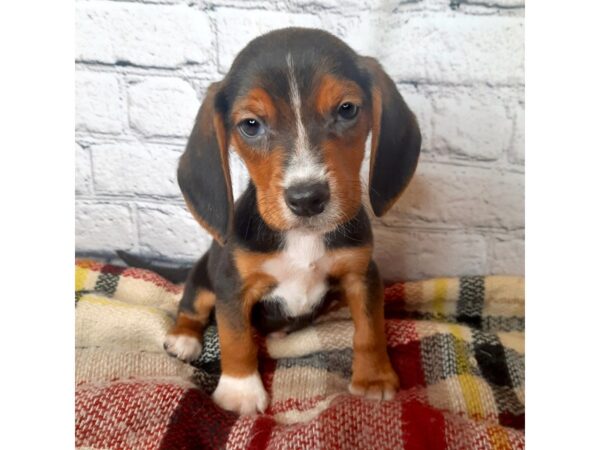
{"x":457,"y":345}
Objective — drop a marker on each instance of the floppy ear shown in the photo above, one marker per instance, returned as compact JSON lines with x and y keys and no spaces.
{"x":395,"y":141}
{"x":203,"y":172}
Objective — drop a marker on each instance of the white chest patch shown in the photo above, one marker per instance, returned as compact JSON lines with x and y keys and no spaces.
{"x":301,"y":270}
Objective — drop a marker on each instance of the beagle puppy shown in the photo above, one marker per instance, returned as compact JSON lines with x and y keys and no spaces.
{"x":297,"y":106}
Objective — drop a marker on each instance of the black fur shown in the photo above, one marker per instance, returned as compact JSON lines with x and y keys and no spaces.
{"x":203,"y":173}
{"x":395,"y":159}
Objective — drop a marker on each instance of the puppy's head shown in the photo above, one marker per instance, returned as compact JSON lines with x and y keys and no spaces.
{"x":297,"y":106}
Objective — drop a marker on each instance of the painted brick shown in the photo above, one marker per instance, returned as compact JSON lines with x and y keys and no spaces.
{"x":162,"y":106}
{"x":441,"y":48}
{"x":158,"y":2}
{"x":83,"y":170}
{"x":142,"y":65}
{"x":461,"y":197}
{"x":346,"y":7}
{"x":142,"y":35}
{"x":494,"y":3}
{"x":303,"y":6}
{"x":507,"y":255}
{"x":517,"y":153}
{"x":103,"y":227}
{"x":472,"y":123}
{"x":135,"y":169}
{"x":168,"y":230}
{"x":420,"y":103}
{"x":414,"y":254}
{"x":99,"y":104}
{"x":249,"y":25}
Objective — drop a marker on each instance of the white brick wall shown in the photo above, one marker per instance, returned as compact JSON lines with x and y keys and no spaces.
{"x":142,"y":68}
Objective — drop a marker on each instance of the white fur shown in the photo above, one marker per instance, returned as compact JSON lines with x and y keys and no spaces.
{"x":301,"y":271}
{"x":186,"y":348}
{"x":304,"y":169}
{"x":303,"y":166}
{"x":302,"y":144}
{"x":373,"y":393}
{"x":244,"y":395}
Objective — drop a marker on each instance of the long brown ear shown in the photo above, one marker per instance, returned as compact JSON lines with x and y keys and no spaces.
{"x":203,"y":172}
{"x":395,"y":141}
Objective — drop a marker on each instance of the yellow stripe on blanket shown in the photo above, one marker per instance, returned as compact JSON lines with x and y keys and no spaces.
{"x":440,"y":289}
{"x":85,"y":278}
{"x":449,"y":395}
{"x":468,"y":383}
{"x":438,"y":296}
{"x":498,"y":438}
{"x":80,"y":278}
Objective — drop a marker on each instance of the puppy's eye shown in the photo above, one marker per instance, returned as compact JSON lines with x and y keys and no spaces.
{"x":251,"y":128}
{"x":347,"y":111}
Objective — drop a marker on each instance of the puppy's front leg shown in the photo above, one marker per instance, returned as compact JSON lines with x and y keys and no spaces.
{"x":372,"y":373}
{"x":240,"y":387}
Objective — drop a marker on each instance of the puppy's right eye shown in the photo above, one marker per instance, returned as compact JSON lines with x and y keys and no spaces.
{"x":251,"y":128}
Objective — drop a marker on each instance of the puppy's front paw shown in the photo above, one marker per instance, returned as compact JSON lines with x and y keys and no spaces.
{"x":375,"y":386}
{"x":243,"y":396}
{"x":186,"y":348}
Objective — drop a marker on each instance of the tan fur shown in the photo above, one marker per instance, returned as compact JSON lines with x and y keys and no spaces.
{"x":204,"y":304}
{"x":375,"y":127}
{"x":193,"y":324}
{"x":350,"y":260}
{"x":372,"y":373}
{"x":238,"y":348}
{"x":187,"y":325}
{"x":343,"y":154}
{"x":249,"y":263}
{"x":266,"y":170}
{"x":344,"y":170}
{"x":265,"y":166}
{"x":332,"y":92}
{"x":257,"y":103}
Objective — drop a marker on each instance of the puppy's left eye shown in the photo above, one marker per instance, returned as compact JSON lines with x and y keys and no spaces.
{"x":347,"y":111}
{"x":251,"y":128}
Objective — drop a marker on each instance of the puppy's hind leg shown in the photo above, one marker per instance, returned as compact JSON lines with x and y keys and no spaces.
{"x":184,"y":340}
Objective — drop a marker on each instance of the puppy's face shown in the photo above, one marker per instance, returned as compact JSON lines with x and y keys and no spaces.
{"x":301,"y":131}
{"x":297,"y":106}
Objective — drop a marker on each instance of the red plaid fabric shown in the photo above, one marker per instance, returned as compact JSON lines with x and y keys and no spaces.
{"x":457,"y":345}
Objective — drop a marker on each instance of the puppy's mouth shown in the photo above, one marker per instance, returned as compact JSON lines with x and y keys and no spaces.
{"x":317,"y":224}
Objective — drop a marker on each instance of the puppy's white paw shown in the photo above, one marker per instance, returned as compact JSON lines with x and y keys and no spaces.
{"x":244,"y":396}
{"x":186,"y":348}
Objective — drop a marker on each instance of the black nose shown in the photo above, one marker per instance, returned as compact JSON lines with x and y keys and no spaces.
{"x":307,"y":199}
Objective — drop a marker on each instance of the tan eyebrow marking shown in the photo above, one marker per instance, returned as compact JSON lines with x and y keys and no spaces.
{"x":332,"y":91}
{"x":256,"y":103}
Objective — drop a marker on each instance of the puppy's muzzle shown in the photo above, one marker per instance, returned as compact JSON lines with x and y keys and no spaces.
{"x":307,"y":200}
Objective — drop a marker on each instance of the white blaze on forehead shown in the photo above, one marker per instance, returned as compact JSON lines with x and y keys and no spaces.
{"x":303,"y":165}
{"x":302,"y":145}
